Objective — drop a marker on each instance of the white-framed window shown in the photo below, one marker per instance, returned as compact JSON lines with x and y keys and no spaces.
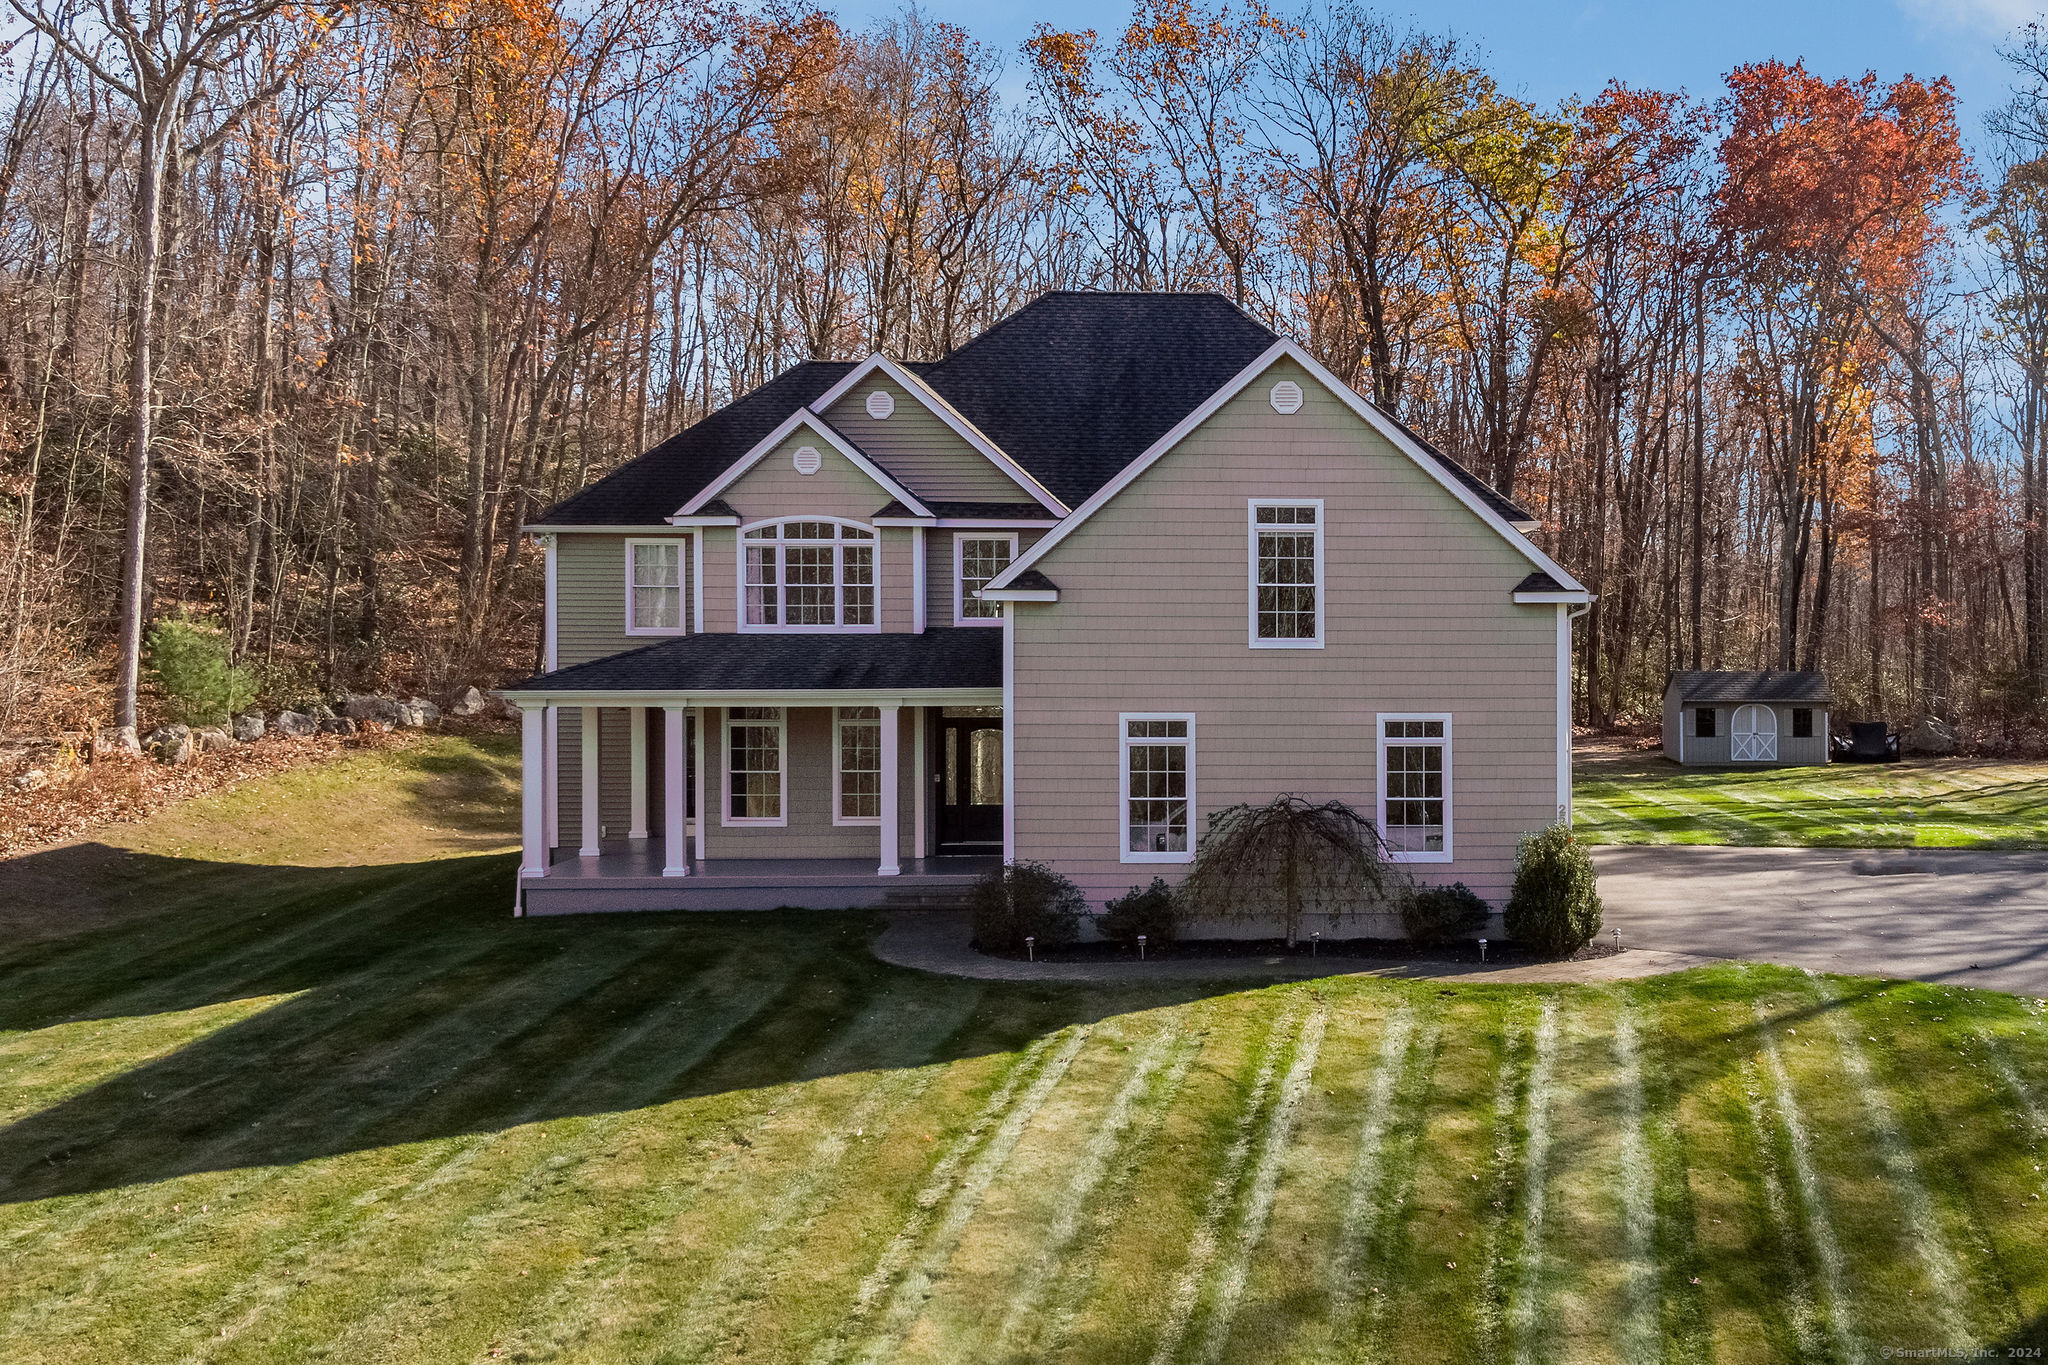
{"x":756,"y":774}
{"x":977,"y":559}
{"x":1284,"y":540}
{"x":807,"y":574}
{"x":654,"y":587}
{"x":857,"y":766}
{"x":1415,"y":787}
{"x":1157,"y":788}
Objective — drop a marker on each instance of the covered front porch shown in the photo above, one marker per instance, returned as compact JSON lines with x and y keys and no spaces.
{"x":885,"y":785}
{"x":630,"y":875}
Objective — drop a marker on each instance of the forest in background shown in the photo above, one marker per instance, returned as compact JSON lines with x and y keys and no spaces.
{"x":1770,"y":361}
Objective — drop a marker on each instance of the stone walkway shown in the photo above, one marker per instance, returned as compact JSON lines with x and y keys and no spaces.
{"x":937,"y":942}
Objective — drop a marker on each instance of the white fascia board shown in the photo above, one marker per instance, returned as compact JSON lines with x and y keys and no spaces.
{"x":803,"y":417}
{"x":652,"y":529}
{"x":1018,"y":594}
{"x":1399,"y":439}
{"x":680,"y":520}
{"x":946,"y":413}
{"x":913,"y":696}
{"x":972,"y":523}
{"x":1573,"y":598}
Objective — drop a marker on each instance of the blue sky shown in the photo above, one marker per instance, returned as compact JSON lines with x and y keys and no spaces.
{"x":1547,"y":49}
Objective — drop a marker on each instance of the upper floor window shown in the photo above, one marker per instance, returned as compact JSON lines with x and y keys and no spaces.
{"x":1286,"y":553}
{"x":654,"y":587}
{"x":808,"y":575}
{"x":976,"y":561}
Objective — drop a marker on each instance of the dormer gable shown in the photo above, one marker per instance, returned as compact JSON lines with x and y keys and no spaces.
{"x":804,"y":466}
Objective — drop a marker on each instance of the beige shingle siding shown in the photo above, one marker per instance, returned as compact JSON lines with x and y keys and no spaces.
{"x":773,"y":488}
{"x":590,"y":586}
{"x":919,"y":449}
{"x":1152,"y":616}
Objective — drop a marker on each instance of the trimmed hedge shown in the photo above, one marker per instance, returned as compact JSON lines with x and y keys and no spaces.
{"x":1443,"y":914}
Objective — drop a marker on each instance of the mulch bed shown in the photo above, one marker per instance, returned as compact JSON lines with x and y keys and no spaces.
{"x":1499,"y":952}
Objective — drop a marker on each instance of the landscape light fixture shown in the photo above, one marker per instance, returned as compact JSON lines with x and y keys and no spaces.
{"x":1315,"y":939}
{"x":1617,"y":940}
{"x":1482,"y":950}
{"x":1030,"y":952}
{"x":1141,"y":947}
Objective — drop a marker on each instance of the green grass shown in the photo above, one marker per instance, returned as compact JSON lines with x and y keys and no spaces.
{"x":269,"y":1110}
{"x":1950,"y":803}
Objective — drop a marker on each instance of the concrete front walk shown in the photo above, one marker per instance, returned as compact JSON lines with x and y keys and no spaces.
{"x":1956,"y":916}
{"x":935,"y":941}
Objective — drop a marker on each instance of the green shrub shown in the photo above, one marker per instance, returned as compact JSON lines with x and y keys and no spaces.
{"x":1555,"y":904}
{"x":1020,"y":900}
{"x":189,"y":660}
{"x":1148,"y":910}
{"x":1443,"y":914}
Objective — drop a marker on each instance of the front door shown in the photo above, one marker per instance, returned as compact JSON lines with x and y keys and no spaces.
{"x":970,"y":784}
{"x":1754,"y":736}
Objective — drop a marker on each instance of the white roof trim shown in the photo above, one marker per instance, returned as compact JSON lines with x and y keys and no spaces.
{"x":1551,"y":595}
{"x":1288,"y":350}
{"x":1018,"y":594}
{"x":946,"y":413}
{"x":802,"y":417}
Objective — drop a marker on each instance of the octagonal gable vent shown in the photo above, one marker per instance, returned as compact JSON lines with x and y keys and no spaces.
{"x":1287,"y":396}
{"x":808,"y":460}
{"x":880,"y":404}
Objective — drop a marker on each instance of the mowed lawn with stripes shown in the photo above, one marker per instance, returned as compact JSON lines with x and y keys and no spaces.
{"x":1921,"y":803}
{"x":265,"y":1110}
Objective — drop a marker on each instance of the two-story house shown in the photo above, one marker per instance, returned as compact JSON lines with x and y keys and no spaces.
{"x":1118,"y":563}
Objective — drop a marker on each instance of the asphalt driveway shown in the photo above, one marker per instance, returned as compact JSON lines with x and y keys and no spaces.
{"x":1956,"y":916}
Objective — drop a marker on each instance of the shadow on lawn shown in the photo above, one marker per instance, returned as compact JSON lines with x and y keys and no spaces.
{"x":419,"y":1008}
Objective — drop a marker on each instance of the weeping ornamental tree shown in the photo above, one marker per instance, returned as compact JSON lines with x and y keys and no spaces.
{"x":1289,"y":858}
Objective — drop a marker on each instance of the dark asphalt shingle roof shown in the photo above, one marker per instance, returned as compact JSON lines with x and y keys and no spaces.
{"x":1736,"y":687}
{"x":947,"y":656}
{"x":644,"y":491}
{"x":1073,"y":387}
{"x":1509,"y":510}
{"x":1031,"y":580}
{"x":1539,"y":582}
{"x":989,"y":511}
{"x":1078,"y":384}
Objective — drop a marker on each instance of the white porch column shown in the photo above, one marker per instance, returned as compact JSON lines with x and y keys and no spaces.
{"x":533,"y":792}
{"x":920,"y":785}
{"x":704,"y":761}
{"x":636,"y":794}
{"x":675,"y":856}
{"x":892,"y":858}
{"x":553,"y":783}
{"x":590,"y":831}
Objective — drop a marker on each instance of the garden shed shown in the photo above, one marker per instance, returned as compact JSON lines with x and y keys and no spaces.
{"x":1735,"y":719}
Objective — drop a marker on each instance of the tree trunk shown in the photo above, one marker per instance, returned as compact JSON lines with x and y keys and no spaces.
{"x":158,"y":128}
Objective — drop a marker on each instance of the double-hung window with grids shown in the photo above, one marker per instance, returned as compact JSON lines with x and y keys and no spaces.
{"x":976,"y":561}
{"x":756,"y":778}
{"x":654,"y":587}
{"x":1286,"y":552}
{"x":1415,"y":788}
{"x":1158,"y":788}
{"x":807,"y":575}
{"x":857,"y":767}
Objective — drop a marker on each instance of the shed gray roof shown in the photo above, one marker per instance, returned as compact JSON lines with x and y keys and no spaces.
{"x":948,"y":656}
{"x":1771,"y":685}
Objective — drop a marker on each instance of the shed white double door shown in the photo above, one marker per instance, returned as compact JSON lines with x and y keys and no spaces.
{"x":1753,"y":735}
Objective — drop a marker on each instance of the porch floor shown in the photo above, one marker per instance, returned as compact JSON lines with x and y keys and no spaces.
{"x":626,"y":875}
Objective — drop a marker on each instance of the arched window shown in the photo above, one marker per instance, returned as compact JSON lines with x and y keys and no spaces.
{"x":807,"y":575}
